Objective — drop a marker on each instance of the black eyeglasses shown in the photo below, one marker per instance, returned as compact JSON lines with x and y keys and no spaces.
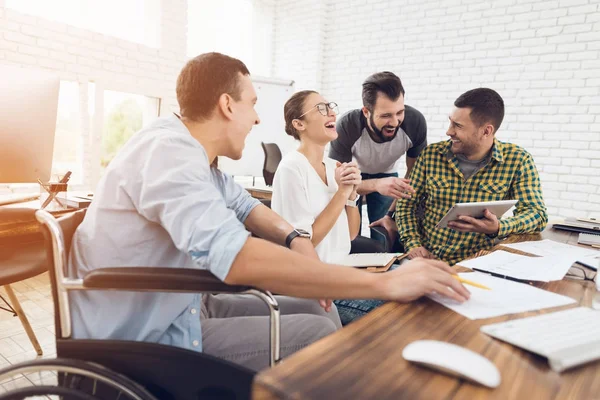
{"x":323,"y":108}
{"x":582,"y":273}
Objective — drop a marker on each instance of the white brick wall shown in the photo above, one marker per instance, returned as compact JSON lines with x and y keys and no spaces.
{"x":85,"y":56}
{"x":540,"y":55}
{"x":298,"y":41}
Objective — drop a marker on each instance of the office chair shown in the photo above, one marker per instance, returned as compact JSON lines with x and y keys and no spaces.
{"x":21,"y":257}
{"x":90,"y":368}
{"x":272,"y":160}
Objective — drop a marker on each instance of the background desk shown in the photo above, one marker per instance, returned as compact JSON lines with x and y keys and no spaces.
{"x":260,"y":193}
{"x":364,"y":360}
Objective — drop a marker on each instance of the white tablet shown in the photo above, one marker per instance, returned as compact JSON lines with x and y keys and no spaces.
{"x":476,"y":210}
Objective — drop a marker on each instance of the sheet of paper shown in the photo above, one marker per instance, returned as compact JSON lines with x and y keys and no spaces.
{"x":542,"y":269}
{"x":518,"y":266}
{"x":561,"y":256}
{"x":368,"y":259}
{"x":592,"y":262}
{"x":505,"y":297}
{"x":550,"y":248}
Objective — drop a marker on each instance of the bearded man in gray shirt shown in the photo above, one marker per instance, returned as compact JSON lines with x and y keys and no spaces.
{"x":376,"y":137}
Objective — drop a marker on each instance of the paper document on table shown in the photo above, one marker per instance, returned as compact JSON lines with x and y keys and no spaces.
{"x":550,"y":248}
{"x":542,"y":269}
{"x":561,"y":255}
{"x":592,"y":262}
{"x":505,"y":297}
{"x":516,"y":266}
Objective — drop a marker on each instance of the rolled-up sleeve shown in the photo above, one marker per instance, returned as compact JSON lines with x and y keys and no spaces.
{"x":236,"y":197}
{"x":176,"y":192}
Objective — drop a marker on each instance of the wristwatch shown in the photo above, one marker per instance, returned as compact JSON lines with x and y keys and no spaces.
{"x":352,"y":203}
{"x":391,"y":214}
{"x":294,"y":234}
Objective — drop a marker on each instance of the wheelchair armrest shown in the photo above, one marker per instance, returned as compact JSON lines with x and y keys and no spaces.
{"x":158,"y":279}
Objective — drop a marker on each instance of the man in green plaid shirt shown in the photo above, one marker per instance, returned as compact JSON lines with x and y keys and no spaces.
{"x":472,"y":166}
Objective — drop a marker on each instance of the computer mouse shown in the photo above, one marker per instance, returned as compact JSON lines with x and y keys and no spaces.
{"x":454,"y":360}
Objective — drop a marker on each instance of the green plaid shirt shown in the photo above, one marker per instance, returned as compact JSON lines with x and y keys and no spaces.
{"x":510,"y":174}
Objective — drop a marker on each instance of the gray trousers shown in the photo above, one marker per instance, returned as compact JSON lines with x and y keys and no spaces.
{"x":236,"y":327}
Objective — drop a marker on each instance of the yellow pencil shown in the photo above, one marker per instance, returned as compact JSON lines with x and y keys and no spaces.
{"x":468,"y":282}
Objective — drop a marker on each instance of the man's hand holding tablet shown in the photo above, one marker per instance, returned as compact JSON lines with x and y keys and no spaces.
{"x":488,"y":224}
{"x":479,"y":217}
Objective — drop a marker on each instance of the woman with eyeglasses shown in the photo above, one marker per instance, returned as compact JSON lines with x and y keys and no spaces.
{"x":312,"y":192}
{"x":317,"y":194}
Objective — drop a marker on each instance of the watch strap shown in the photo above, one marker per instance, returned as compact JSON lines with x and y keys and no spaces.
{"x":288,"y":240}
{"x":352,"y":203}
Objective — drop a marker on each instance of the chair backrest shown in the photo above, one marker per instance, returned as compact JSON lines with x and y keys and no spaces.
{"x":53,"y":241}
{"x":272,"y":160}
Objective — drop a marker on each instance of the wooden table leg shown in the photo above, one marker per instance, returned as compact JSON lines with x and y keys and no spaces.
{"x":21,"y":314}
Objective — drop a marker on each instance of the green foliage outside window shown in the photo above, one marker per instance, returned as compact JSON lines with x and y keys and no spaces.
{"x":121,"y":123}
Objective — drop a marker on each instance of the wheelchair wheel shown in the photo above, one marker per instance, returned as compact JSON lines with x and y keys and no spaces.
{"x":67,"y":379}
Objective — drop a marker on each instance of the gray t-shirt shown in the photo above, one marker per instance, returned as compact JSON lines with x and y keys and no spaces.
{"x":468,"y":167}
{"x":354,"y":142}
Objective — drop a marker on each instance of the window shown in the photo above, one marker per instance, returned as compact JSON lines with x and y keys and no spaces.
{"x":124,"y":115}
{"x":68,"y":148}
{"x":246,"y":35}
{"x":134,"y":20}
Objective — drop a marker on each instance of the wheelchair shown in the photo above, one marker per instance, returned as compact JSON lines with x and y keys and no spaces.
{"x":89,"y":369}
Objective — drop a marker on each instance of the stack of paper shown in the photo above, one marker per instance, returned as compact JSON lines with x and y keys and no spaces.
{"x":514,"y":265}
{"x":505,"y":297}
{"x":553,"y":262}
{"x":550,"y":248}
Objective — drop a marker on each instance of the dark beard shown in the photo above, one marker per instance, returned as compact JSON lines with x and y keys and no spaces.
{"x":377,"y":134}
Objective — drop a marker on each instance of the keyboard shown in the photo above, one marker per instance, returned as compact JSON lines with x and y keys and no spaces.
{"x":567,"y":338}
{"x":7,"y":199}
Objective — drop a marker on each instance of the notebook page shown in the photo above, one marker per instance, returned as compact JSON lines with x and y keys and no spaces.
{"x":368,"y":259}
{"x":505,"y":297}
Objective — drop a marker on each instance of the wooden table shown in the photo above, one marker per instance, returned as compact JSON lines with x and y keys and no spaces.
{"x":364,"y":359}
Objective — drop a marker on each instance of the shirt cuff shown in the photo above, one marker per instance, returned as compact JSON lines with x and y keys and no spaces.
{"x":224,"y":250}
{"x":504,"y":228}
{"x":411,"y":244}
{"x":247,"y":208}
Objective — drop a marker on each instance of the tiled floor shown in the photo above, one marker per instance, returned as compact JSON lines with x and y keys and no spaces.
{"x":36,"y":299}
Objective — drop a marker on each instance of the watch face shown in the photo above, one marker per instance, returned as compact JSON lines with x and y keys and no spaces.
{"x":303,"y":233}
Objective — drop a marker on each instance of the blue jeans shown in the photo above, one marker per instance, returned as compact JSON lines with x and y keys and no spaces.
{"x":349,"y":310}
{"x":377,"y":204}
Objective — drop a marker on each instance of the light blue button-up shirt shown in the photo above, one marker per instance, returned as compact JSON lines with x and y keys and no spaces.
{"x":159,"y":203}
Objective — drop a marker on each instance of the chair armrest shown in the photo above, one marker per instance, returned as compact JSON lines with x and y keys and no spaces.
{"x":158,"y":279}
{"x":363,"y":244}
{"x":383,"y":237}
{"x":379,"y":233}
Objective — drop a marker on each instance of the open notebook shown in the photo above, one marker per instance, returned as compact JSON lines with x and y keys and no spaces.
{"x":375,"y":261}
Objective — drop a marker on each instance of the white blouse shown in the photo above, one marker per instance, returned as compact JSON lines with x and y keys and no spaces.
{"x":299,"y":196}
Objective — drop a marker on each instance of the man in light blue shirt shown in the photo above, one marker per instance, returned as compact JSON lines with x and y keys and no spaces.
{"x":163,"y":202}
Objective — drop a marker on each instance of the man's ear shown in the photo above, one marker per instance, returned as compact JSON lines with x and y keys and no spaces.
{"x":365,"y":112}
{"x":225,"y":105}
{"x":488,"y":130}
